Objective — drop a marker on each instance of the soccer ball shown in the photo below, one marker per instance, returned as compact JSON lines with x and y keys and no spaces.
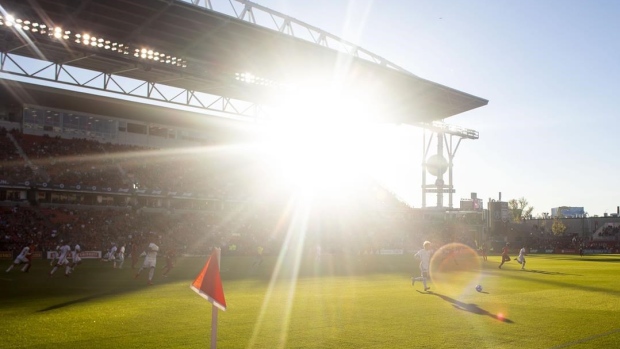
{"x":479,"y":288}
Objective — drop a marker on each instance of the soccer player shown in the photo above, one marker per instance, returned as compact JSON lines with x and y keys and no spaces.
{"x":133,"y":251}
{"x":55,"y":255}
{"x":29,"y":258}
{"x":258,"y":260}
{"x":170,"y":257}
{"x":150,"y":261}
{"x":112,"y":253}
{"x":424,"y":255}
{"x":120,"y":257}
{"x":21,"y":258}
{"x":521,"y":258}
{"x":483,"y":251}
{"x":505,"y":256}
{"x":317,"y":253}
{"x":75,"y":257}
{"x":62,"y":260}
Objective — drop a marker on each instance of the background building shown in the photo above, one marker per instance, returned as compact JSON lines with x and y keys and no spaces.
{"x":567,"y":212}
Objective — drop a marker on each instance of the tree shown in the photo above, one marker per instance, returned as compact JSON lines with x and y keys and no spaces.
{"x":520,"y":209}
{"x":558,"y":227}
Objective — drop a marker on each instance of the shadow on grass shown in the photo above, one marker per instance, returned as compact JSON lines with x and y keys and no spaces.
{"x":536,"y":271}
{"x":79,"y":300}
{"x":470,"y":307}
{"x":519,"y":274}
{"x":592,"y":258}
{"x":547,"y":272}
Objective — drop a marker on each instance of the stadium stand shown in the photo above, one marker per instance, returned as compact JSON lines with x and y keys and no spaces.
{"x":194,"y":200}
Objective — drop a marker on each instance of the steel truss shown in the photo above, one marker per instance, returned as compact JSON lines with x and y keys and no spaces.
{"x":265,"y":17}
{"x":68,"y":77}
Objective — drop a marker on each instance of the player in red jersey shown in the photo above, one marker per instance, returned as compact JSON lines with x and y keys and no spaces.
{"x":135,"y":255}
{"x":505,"y":256}
{"x":29,"y":257}
{"x":170,"y":259}
{"x":483,"y":251}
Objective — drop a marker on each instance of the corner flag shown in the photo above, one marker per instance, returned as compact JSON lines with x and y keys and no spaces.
{"x":208,"y":283}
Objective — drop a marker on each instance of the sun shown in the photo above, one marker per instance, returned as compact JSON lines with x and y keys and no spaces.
{"x":321,"y":154}
{"x":310,"y":156}
{"x":324,"y":139}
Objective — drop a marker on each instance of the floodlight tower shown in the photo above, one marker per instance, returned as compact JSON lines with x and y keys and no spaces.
{"x":437,"y":164}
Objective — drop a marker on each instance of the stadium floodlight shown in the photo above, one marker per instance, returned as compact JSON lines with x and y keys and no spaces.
{"x":250,"y":78}
{"x":439,"y":126}
{"x":89,"y":40}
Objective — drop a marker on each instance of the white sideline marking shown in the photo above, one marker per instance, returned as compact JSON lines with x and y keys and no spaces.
{"x":587,"y":339}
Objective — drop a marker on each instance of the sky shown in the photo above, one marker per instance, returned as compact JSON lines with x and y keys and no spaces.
{"x":550,"y":70}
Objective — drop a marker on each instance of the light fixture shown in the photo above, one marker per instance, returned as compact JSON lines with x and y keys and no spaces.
{"x":93,"y":42}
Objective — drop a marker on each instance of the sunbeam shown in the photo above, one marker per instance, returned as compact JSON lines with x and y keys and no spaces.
{"x":287,"y":266}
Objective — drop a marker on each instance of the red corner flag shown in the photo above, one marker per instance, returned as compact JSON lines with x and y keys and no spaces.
{"x":208,"y":283}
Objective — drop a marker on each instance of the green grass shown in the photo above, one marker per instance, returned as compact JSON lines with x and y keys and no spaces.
{"x":559,"y":301}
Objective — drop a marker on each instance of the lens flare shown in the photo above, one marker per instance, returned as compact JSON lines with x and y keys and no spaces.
{"x":455,"y":268}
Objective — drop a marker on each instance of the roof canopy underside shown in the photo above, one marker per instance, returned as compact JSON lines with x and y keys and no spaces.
{"x":214,"y":48}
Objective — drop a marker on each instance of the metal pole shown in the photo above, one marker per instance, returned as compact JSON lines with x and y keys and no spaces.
{"x":213,"y":327}
{"x":214,"y":309}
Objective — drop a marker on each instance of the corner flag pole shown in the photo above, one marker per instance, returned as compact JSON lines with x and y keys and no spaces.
{"x":214,"y":309}
{"x":213,"y":327}
{"x":208,"y":284}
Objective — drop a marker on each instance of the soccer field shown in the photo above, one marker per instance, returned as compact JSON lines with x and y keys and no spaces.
{"x":559,"y":301}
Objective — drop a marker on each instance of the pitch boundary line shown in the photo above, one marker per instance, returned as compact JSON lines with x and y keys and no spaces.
{"x":587,"y":339}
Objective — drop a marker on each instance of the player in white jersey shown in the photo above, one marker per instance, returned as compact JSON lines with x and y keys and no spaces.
{"x":424,"y":255}
{"x":521,"y":258}
{"x":75,"y":257}
{"x":120,"y":257}
{"x":111,"y":255}
{"x":55,"y":255}
{"x":63,"y":260}
{"x":150,"y":261}
{"x":22,"y":258}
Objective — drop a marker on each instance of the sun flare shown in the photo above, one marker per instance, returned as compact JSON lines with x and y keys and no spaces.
{"x":324,"y":139}
{"x":336,"y":158}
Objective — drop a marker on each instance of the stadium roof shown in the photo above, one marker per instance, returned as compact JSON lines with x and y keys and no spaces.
{"x":181,"y":45}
